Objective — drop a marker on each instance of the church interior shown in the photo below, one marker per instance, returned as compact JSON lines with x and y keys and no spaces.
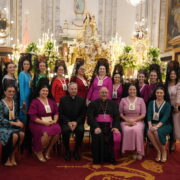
{"x":132,"y":33}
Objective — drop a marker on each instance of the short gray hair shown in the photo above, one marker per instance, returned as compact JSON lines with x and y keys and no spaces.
{"x":71,"y":83}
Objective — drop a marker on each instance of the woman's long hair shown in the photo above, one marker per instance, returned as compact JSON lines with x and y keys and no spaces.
{"x":142,"y":71}
{"x":126,"y":89}
{"x":37,"y":62}
{"x":156,"y":68}
{"x":43,"y":82}
{"x":59,"y":63}
{"x":118,"y":69}
{"x":5,"y":68}
{"x":78,"y":64}
{"x":172,"y":66}
{"x":24,"y":57}
{"x":166,"y":94}
{"x":101,"y":62}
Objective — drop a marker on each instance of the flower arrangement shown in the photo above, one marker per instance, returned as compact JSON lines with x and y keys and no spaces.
{"x":128,"y":59}
{"x":153,"y":54}
{"x":32,"y":48}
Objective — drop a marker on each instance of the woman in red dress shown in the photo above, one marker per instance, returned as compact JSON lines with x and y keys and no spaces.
{"x":59,"y":82}
{"x":80,"y":78}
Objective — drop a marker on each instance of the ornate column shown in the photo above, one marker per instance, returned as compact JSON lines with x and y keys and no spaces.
{"x":3,"y":3}
{"x":107,"y":19}
{"x":50,"y":16}
{"x":162,"y":25}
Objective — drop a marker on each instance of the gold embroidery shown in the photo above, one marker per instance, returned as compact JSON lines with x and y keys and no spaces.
{"x":120,"y":171}
{"x":152,"y":166}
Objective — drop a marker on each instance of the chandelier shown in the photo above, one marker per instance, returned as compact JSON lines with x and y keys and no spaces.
{"x":141,"y":31}
{"x":134,"y":2}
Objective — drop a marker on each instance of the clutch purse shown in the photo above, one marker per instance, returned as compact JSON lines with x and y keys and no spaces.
{"x":47,"y":119}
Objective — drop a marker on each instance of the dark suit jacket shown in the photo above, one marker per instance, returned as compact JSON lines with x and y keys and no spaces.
{"x":72,"y":110}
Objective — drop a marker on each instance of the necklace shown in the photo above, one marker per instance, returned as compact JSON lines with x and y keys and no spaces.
{"x":104,"y":107}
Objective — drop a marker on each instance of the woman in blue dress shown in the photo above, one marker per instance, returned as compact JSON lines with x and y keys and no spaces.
{"x":25,"y":80}
{"x":11,"y":134}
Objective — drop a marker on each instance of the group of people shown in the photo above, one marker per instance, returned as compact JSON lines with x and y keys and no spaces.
{"x":120,"y":114}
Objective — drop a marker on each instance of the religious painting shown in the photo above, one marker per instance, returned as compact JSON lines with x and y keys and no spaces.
{"x":79,"y":6}
{"x":173,"y":22}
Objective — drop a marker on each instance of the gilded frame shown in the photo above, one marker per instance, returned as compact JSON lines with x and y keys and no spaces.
{"x":172,"y":30}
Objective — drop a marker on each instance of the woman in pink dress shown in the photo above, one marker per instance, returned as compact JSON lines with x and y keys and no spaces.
{"x":174,"y":93}
{"x":100,"y":79}
{"x":133,"y":111}
{"x":43,"y":124}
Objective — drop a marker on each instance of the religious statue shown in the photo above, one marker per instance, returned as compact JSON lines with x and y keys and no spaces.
{"x":90,"y":28}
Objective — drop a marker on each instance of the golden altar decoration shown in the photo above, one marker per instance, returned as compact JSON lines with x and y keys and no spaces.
{"x":87,"y":45}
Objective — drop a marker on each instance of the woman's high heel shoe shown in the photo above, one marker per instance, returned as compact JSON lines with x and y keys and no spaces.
{"x":158,"y":158}
{"x":164,"y":157}
{"x":47,"y":156}
{"x":40,"y":156}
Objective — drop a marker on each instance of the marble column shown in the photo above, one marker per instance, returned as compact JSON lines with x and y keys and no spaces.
{"x":162,"y":25}
{"x":107,"y":19}
{"x":50,"y":17}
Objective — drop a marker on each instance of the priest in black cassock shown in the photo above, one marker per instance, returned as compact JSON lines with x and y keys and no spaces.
{"x":72,"y":110}
{"x":104,"y":121}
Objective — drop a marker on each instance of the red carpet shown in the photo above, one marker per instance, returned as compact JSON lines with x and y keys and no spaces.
{"x":31,"y":169}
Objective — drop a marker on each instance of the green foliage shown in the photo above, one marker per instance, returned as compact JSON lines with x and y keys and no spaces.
{"x":127,"y":49}
{"x":48,"y":46}
{"x":127,"y":59}
{"x":153,"y":53}
{"x":32,"y":48}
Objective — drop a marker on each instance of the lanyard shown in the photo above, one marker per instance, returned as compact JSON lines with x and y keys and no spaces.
{"x":115,"y":89}
{"x":142,"y":88}
{"x":100,"y":81}
{"x":8,"y":106}
{"x":63,"y":81}
{"x":46,"y":106}
{"x":132,"y":105}
{"x":64,"y":85}
{"x":159,"y":108}
{"x":84,"y":81}
{"x":11,"y":112}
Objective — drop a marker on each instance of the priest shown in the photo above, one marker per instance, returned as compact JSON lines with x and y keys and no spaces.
{"x":104,"y":121}
{"x":72,"y":110}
